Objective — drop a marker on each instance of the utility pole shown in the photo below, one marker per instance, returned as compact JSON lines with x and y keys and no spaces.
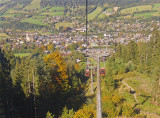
{"x":99,"y":106}
{"x":92,"y":81}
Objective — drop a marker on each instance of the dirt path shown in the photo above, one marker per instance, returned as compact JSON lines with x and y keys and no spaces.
{"x":149,"y":114}
{"x":134,"y":92}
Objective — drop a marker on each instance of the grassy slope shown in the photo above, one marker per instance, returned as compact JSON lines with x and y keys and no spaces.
{"x":44,"y":9}
{"x":3,"y":36}
{"x":21,"y":54}
{"x":34,"y":21}
{"x":147,"y":15}
{"x":8,"y":15}
{"x":64,"y":24}
{"x":19,"y":6}
{"x":2,"y":7}
{"x":139,"y":82}
{"x":35,"y":4}
{"x":93,"y":15}
{"x":56,"y":9}
{"x":106,"y":5}
{"x":109,"y":10}
{"x":156,"y":7}
{"x":2,"y":1}
{"x":53,"y":13}
{"x":102,"y":15}
{"x":13,"y":11}
{"x":136,"y":9}
{"x":10,"y":11}
{"x":142,"y":85}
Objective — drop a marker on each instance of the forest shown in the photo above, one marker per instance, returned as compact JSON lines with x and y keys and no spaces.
{"x":73,"y":3}
{"x":51,"y":85}
{"x":59,"y":15}
{"x":94,"y":2}
{"x":37,"y":80}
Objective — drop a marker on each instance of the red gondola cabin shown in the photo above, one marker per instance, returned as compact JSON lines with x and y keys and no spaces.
{"x":87,"y":73}
{"x":102,"y":71}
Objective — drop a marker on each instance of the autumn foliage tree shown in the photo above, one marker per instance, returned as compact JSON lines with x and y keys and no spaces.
{"x":58,"y":71}
{"x":87,"y":111}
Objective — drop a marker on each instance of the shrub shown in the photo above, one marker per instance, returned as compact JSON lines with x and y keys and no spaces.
{"x":129,"y":66}
{"x":49,"y":115}
{"x":67,"y":113}
{"x":86,"y":112}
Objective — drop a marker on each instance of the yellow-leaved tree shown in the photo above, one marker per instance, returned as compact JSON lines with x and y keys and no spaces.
{"x":87,"y":111}
{"x":58,"y":71}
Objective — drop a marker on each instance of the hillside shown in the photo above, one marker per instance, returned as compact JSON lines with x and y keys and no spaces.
{"x":43,"y":13}
{"x":34,"y":5}
{"x":48,"y":51}
{"x":130,"y":87}
{"x":121,"y":94}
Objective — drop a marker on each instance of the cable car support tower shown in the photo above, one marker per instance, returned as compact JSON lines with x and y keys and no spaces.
{"x":99,"y":104}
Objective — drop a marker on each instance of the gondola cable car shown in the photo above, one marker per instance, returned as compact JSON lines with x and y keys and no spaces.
{"x":87,"y":73}
{"x":102,"y":70}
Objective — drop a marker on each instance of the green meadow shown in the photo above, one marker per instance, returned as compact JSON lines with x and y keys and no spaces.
{"x":96,"y":12}
{"x":34,"y":5}
{"x":34,"y":21}
{"x":56,"y":9}
{"x":8,"y":15}
{"x":13,"y":11}
{"x":156,"y":7}
{"x":21,"y":54}
{"x":147,"y":15}
{"x":106,"y":5}
{"x":3,"y":35}
{"x":82,"y":7}
{"x":44,"y":9}
{"x":136,"y":9}
{"x":109,"y":10}
{"x":2,"y":7}
{"x":64,"y":24}
{"x":2,"y":1}
{"x":53,"y":13}
{"x":102,"y":15}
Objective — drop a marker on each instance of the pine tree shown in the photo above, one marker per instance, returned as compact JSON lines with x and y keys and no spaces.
{"x":2,"y":110}
{"x":153,"y":51}
{"x":132,"y":52}
{"x":6,"y":84}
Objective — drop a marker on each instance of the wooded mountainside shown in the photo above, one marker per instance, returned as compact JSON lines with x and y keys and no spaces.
{"x":51,"y":85}
{"x":118,"y":3}
{"x":41,"y":41}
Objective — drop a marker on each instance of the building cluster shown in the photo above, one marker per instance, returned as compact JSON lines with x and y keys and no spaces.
{"x":104,"y":34}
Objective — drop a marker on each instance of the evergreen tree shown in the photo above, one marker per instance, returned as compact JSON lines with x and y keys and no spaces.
{"x":6,"y":85}
{"x":2,"y":110}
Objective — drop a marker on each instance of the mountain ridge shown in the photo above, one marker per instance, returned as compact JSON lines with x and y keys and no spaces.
{"x":45,"y":3}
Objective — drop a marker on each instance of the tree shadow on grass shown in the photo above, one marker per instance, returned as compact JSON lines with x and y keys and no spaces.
{"x":147,"y":97}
